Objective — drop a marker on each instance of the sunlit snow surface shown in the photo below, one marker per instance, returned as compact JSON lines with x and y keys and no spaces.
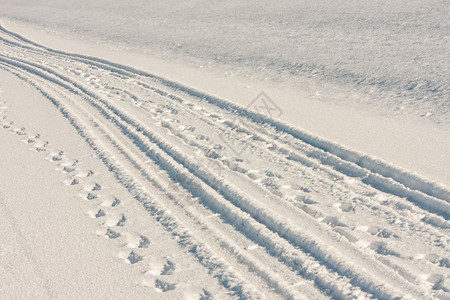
{"x":137,"y":161}
{"x":398,"y":48}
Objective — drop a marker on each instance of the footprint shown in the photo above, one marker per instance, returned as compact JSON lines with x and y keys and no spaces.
{"x":20,"y":131}
{"x":168,"y":268}
{"x":205,"y":295}
{"x":116,"y":202}
{"x":75,"y":163}
{"x":133,"y":257}
{"x":68,"y":169}
{"x":97,"y":187}
{"x":57,"y":157}
{"x":91,"y":196}
{"x":144,"y":242}
{"x":111,"y":234}
{"x":444,"y":262}
{"x":100,"y":213}
{"x":164,"y":286}
{"x":122,"y":221}
{"x":443,"y":284}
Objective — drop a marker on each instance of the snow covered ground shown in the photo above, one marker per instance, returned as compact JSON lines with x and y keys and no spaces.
{"x":373,"y":76}
{"x":139,"y":159}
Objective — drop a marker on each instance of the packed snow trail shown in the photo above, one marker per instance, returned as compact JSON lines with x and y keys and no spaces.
{"x":270,"y":210}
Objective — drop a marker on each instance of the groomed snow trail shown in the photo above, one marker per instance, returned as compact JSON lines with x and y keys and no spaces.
{"x":269,"y":210}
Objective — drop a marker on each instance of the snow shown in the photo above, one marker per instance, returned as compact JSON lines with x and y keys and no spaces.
{"x":50,"y":247}
{"x":228,"y":150}
{"x":370,"y":117}
{"x":399,"y":48}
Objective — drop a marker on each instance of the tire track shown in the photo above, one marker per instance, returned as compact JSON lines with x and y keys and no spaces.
{"x":262,"y":225}
{"x":251,"y":227}
{"x":403,"y":177}
{"x":242,"y":258}
{"x":160,"y":142}
{"x":166,"y":220}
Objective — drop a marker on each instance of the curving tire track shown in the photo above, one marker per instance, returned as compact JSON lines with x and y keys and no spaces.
{"x":134,"y":150}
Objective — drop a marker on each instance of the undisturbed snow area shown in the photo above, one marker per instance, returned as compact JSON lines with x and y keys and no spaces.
{"x":224,"y":150}
{"x":398,"y":48}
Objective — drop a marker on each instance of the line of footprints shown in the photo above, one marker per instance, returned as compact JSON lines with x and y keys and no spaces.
{"x":107,"y":211}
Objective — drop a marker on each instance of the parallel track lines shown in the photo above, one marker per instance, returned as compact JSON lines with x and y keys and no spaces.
{"x":303,"y":256}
